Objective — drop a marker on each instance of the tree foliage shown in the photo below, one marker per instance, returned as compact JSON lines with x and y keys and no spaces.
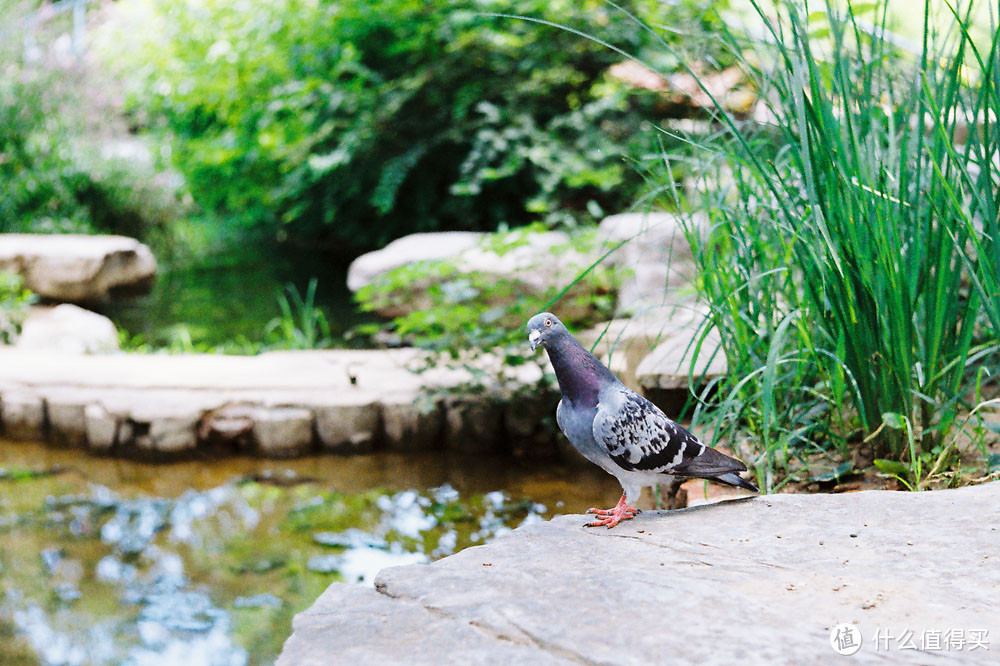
{"x":361,"y":121}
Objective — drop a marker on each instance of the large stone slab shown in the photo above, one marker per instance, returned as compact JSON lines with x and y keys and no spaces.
{"x":763,"y":580}
{"x":75,"y":268}
{"x":688,"y":354}
{"x":280,"y":432}
{"x":394,"y":632}
{"x":655,"y":349}
{"x":624,"y":342}
{"x":523,"y":261}
{"x":406,"y":250}
{"x":351,"y":426}
{"x":22,"y":415}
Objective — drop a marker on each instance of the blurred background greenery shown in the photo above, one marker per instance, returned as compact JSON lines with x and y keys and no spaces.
{"x":343,"y":124}
{"x":258,"y":144}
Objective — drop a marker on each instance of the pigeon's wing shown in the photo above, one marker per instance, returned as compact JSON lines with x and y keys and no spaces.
{"x":639,"y":437}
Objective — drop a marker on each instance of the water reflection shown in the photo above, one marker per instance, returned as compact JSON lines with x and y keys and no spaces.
{"x":206,"y":563}
{"x":216,"y":300}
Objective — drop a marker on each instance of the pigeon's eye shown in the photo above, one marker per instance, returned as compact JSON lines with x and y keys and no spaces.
{"x":548,"y":322}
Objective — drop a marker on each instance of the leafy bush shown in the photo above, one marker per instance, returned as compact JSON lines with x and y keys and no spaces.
{"x":852,"y":262}
{"x":14,"y":303}
{"x":362,"y":121}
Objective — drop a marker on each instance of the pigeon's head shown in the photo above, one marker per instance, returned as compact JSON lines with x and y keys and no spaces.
{"x":544,"y":328}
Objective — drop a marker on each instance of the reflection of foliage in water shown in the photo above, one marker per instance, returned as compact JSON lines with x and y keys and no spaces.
{"x":209,"y":577}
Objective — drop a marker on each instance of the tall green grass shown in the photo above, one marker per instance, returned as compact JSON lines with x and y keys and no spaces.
{"x":853,"y":255}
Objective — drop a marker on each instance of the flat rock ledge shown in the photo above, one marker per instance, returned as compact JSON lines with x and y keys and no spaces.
{"x":277,"y":404}
{"x":76,"y":267}
{"x":761,"y":580}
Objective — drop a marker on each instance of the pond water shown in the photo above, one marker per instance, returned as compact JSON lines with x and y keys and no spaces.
{"x":225,"y":298}
{"x":106,"y":561}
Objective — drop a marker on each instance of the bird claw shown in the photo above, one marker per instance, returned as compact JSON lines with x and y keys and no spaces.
{"x":611,"y":517}
{"x":611,"y":520}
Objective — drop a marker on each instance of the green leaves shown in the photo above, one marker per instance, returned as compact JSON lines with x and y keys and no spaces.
{"x":302,"y":325}
{"x":361,"y":121}
{"x":893,"y":420}
{"x":14,"y":303}
{"x":835,"y":474}
{"x":892,"y":467}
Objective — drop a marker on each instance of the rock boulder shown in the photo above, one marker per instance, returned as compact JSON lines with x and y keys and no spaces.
{"x":518,"y":262}
{"x":77,"y":268}
{"x":678,"y":362}
{"x":406,"y":250}
{"x":68,"y":328}
{"x":656,"y":258}
{"x":653,"y":350}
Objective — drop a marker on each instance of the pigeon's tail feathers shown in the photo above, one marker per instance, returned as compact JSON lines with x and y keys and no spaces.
{"x":734,"y":479}
{"x":709,"y":464}
{"x":717,"y":466}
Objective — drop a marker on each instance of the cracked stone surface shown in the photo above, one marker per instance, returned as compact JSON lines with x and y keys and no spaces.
{"x":756,"y":580}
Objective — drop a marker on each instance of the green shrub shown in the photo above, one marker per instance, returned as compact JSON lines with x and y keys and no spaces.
{"x":849,"y":260}
{"x":14,"y":303}
{"x":361,"y":121}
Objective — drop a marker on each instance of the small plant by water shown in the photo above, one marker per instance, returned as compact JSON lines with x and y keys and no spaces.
{"x":301,"y":325}
{"x":15,"y":300}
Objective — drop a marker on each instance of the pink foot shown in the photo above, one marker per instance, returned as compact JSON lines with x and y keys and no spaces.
{"x":611,"y":517}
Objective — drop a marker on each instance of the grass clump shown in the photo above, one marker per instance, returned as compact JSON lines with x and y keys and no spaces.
{"x":300,"y":324}
{"x":852,"y":254}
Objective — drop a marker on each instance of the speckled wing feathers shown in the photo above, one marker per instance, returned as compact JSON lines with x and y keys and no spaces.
{"x":639,"y":437}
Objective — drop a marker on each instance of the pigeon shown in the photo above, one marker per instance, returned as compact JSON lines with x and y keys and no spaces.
{"x":620,"y":431}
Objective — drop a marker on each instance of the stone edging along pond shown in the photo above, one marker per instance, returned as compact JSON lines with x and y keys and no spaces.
{"x":276,"y":404}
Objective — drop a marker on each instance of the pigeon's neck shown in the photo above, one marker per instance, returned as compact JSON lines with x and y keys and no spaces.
{"x":581,"y":376}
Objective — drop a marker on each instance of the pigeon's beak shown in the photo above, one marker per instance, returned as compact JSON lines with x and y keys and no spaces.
{"x":535,"y":338}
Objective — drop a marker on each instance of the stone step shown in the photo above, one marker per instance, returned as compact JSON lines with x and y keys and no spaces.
{"x":653,"y":351}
